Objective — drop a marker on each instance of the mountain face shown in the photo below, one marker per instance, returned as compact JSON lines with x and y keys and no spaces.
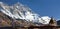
{"x":19,"y":11}
{"x":6,"y":20}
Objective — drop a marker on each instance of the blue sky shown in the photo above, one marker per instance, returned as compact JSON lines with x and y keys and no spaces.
{"x":41,"y":7}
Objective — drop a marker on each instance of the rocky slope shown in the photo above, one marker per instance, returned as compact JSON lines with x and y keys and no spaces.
{"x":4,"y":20}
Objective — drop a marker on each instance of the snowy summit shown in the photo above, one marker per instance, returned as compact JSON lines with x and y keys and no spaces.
{"x":19,"y":11}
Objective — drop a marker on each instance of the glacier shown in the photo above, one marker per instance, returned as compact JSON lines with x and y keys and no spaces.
{"x":20,"y":11}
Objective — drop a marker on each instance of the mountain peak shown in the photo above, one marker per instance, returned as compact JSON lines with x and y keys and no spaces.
{"x":18,"y":4}
{"x":20,"y":11}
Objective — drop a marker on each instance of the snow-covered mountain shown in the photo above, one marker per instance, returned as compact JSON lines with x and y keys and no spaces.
{"x":19,"y":11}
